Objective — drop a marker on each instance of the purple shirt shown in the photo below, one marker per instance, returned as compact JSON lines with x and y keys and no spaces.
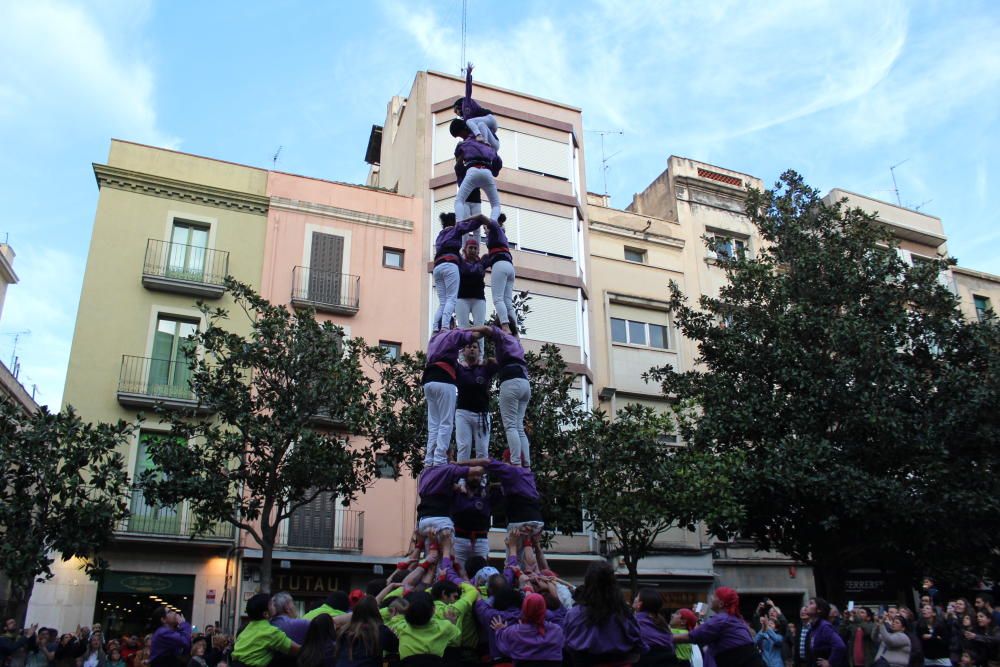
{"x":471,"y":108}
{"x":474,"y":386}
{"x":515,"y":480}
{"x":485,"y":615}
{"x":496,"y":237}
{"x":618,"y":634}
{"x":168,"y":641}
{"x":524,"y":642}
{"x":472,"y":512}
{"x":445,"y":344}
{"x":508,"y":348}
{"x":824,"y":642}
{"x":437,"y":481}
{"x":653,"y":635}
{"x":470,"y":152}
{"x":721,"y":632}
{"x":295,"y":628}
{"x":449,"y":239}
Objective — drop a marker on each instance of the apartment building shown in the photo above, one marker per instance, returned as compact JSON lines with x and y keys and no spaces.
{"x":353,"y":253}
{"x":676,"y":229}
{"x":168,"y":228}
{"x":10,"y":387}
{"x":542,"y":191}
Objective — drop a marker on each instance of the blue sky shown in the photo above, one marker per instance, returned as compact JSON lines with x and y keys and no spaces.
{"x":837,"y":90}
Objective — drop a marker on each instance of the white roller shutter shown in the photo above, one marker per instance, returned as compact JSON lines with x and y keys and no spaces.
{"x":508,"y":148}
{"x":543,"y":155}
{"x":552,"y":320}
{"x":542,"y":232}
{"x":444,"y":143}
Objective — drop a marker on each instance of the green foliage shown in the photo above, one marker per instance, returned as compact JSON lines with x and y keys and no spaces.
{"x":284,"y":398}
{"x":63,"y":490}
{"x":854,"y":407}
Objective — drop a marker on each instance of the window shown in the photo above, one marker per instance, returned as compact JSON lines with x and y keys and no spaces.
{"x":394,"y":350}
{"x":982,"y":306}
{"x":727,"y":247}
{"x":188,"y":242}
{"x":145,"y":517}
{"x":633,"y":332}
{"x":168,"y":368}
{"x":392,"y":258}
{"x":635,"y":255}
{"x":385,"y":468}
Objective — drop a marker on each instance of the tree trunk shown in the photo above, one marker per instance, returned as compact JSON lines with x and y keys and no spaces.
{"x":266,"y":551}
{"x":17,"y":602}
{"x":633,"y":574}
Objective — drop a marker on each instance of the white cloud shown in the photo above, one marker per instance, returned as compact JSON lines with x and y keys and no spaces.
{"x":60,"y":70}
{"x":44,"y":302}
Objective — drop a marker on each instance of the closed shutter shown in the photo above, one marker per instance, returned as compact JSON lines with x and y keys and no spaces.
{"x":640,"y":314}
{"x":508,"y":148}
{"x":444,"y":143}
{"x":326,"y":262}
{"x":543,"y":155}
{"x":552,"y":320}
{"x":551,"y":234}
{"x":311,"y":525}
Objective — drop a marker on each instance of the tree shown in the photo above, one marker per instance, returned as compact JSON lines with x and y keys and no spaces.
{"x":63,"y":490}
{"x":284,"y":399}
{"x":635,"y":486}
{"x":854,"y":407}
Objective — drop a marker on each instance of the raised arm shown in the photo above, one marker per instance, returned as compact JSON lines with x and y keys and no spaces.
{"x":468,"y":84}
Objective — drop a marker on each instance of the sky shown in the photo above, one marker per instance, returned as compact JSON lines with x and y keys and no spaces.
{"x":839,"y":91}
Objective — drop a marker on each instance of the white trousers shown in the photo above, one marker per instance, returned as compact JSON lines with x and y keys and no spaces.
{"x":441,"y":398}
{"x":472,"y":428}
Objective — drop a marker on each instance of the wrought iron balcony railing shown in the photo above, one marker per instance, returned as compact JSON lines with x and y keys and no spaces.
{"x":143,"y":382}
{"x":326,"y":291}
{"x":148,"y":519}
{"x":310,"y":529}
{"x":188,"y":269}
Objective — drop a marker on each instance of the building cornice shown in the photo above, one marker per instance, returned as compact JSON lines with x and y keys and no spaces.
{"x":636,"y":235}
{"x":169,"y":188}
{"x":7,"y":269}
{"x":722,"y":189}
{"x":345,"y":214}
{"x":982,"y":275}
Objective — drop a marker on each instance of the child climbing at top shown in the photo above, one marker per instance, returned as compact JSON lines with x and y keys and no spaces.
{"x":481,"y":122}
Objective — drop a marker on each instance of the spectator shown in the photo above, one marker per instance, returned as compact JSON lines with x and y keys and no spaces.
{"x":115,"y":658}
{"x":129,"y":649}
{"x":197,"y":654}
{"x":39,"y":654}
{"x":171,"y":638}
{"x":788,"y":647}
{"x":68,"y":650}
{"x":13,"y":639}
{"x":894,"y":643}
{"x":800,"y":645}
{"x":824,"y":647}
{"x":934,"y":637}
{"x":94,"y":655}
{"x":725,"y":637}
{"x":769,"y":642}
{"x":683,"y":621}
{"x":984,"y":640}
{"x":984,"y":602}
{"x":860,"y":645}
{"x":318,"y":647}
{"x":216,"y":653}
{"x":259,"y":640}
{"x":602,"y":627}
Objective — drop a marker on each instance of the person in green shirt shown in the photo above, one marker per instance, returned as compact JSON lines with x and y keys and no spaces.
{"x":419,"y":631}
{"x":259,"y":640}
{"x":336,"y":603}
{"x":682,"y":621}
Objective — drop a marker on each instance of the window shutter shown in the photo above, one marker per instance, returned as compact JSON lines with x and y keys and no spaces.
{"x":543,"y":155}
{"x":326,"y":263}
{"x":546,"y":233}
{"x":552,"y":320}
{"x":508,"y":148}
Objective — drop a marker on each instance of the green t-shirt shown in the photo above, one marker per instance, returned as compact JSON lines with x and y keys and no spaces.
{"x":430,"y":639}
{"x":466,"y":622}
{"x":683,"y":651}
{"x":258,"y":642}
{"x":322,"y":609}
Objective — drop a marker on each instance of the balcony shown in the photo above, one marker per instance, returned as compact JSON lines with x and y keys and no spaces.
{"x":185,"y":269}
{"x":143,"y":383}
{"x":325,"y":291}
{"x":170,"y":523}
{"x":318,"y":529}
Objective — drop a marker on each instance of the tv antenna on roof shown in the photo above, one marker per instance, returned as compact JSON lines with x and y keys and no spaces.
{"x":604,"y":159}
{"x":274,"y":159}
{"x":895,"y":188}
{"x":465,"y":14}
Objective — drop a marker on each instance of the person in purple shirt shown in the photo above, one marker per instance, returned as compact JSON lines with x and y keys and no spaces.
{"x":480,"y":162}
{"x":284,"y":616}
{"x":654,"y":627}
{"x":501,"y":274}
{"x":170,"y":640}
{"x":725,"y":638}
{"x":481,"y":122}
{"x":522,"y":503}
{"x":534,"y":640}
{"x":439,"y":380}
{"x":435,"y":489}
{"x":472,"y":411}
{"x":515,"y":394}
{"x":824,"y":646}
{"x":602,"y":628}
{"x":471,"y":287}
{"x":446,"y":274}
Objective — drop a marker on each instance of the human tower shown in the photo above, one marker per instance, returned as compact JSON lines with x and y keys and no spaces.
{"x":454,"y":511}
